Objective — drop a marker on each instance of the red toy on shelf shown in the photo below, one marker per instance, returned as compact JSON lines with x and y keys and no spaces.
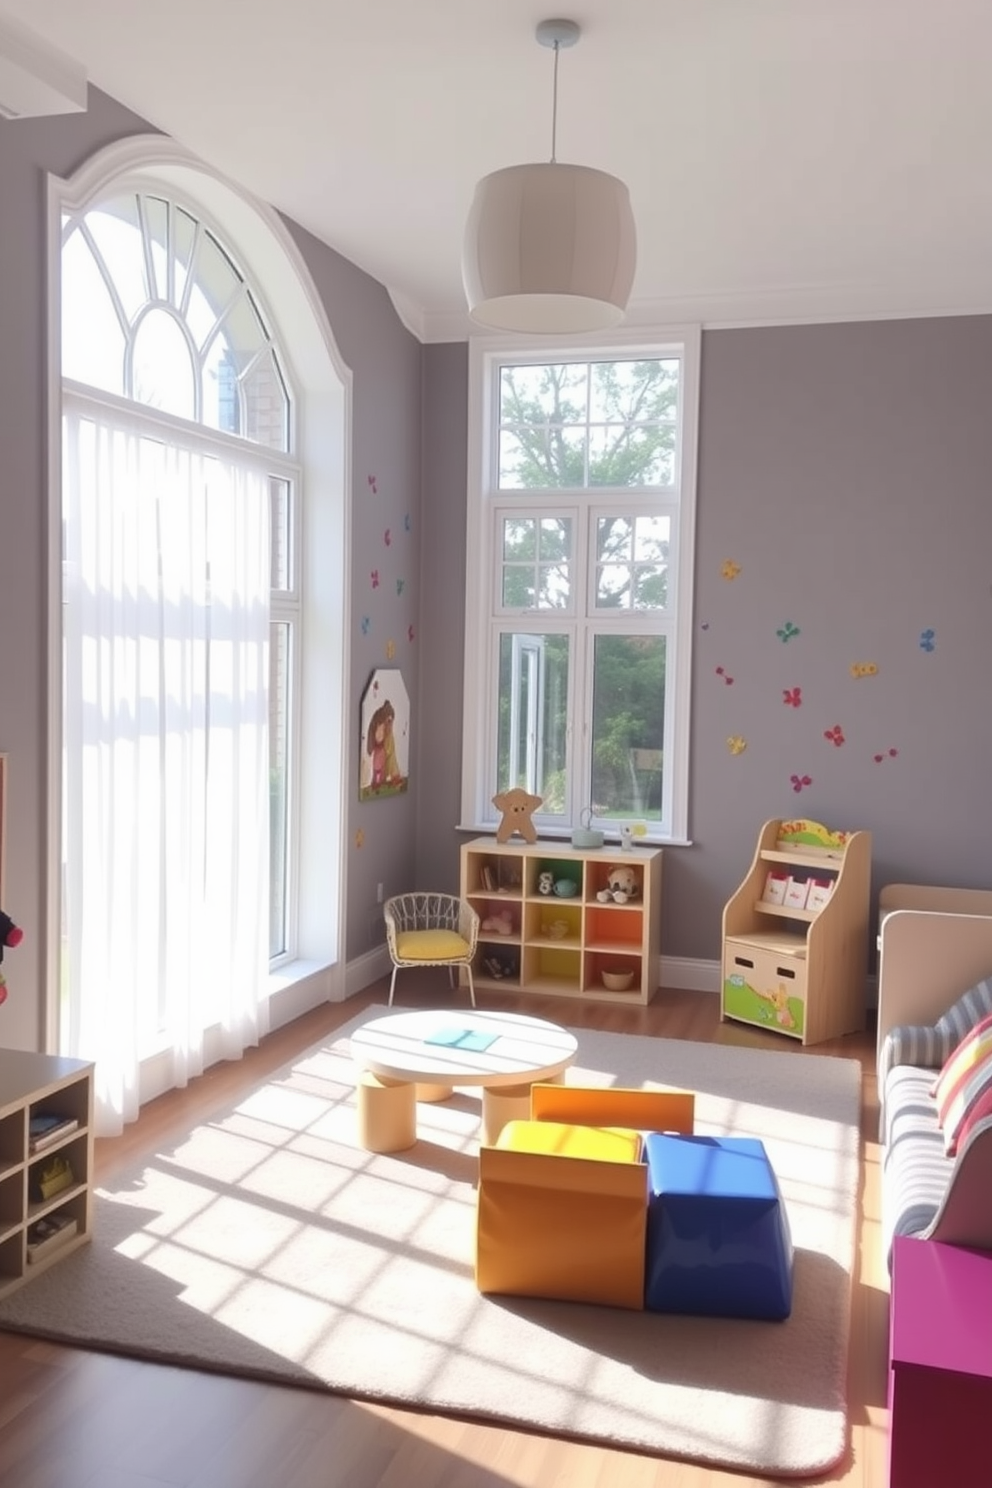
{"x":10,"y":935}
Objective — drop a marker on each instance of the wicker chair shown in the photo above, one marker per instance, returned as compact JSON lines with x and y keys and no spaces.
{"x":431,"y":930}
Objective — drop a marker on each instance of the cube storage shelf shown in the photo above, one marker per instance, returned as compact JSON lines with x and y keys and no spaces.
{"x":562,"y":946}
{"x":34,"y":1085}
{"x":799,"y":972}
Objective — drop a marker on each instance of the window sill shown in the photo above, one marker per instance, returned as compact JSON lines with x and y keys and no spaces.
{"x":564,"y":835}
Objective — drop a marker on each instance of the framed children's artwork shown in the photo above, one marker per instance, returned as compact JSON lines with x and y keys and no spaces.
{"x":384,"y":749}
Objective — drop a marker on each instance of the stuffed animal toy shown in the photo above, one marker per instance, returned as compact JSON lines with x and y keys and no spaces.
{"x":10,"y":935}
{"x":622,"y":881}
{"x":517,"y":806}
{"x":502,"y":923}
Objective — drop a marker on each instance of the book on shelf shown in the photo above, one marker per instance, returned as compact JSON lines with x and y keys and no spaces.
{"x":776,"y":884}
{"x":820,"y":890}
{"x":48,"y":1234}
{"x":46,"y":1129}
{"x":795,"y":893}
{"x":488,"y":878}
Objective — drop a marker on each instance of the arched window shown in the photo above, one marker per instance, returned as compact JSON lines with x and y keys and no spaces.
{"x":188,"y":790}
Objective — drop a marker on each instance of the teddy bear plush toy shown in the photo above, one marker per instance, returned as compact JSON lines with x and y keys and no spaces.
{"x":502,"y":923}
{"x":623,"y":881}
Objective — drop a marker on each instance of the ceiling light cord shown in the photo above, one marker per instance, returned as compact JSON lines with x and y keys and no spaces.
{"x":554,"y":108}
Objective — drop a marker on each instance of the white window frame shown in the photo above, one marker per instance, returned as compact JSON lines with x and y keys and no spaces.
{"x":483,"y":603}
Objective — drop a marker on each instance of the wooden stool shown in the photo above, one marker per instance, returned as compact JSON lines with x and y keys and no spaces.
{"x":500,"y":1104}
{"x":386,"y":1114}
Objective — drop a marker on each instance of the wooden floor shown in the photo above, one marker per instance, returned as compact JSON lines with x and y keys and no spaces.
{"x":76,"y":1419}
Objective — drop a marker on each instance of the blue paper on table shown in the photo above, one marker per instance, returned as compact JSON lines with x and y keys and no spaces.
{"x":463,"y":1038}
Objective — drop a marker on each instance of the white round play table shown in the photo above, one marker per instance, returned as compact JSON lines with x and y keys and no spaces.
{"x":427,"y":1053}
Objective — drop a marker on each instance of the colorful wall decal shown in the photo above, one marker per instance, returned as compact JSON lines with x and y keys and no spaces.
{"x":374,"y":576}
{"x":372,"y":485}
{"x":788,"y":632}
{"x":359,"y":838}
{"x":835,"y":735}
{"x":800,"y":782}
{"x":400,"y":585}
{"x":410,"y":633}
{"x":888,"y":754}
{"x":407,"y":524}
{"x":366,"y":624}
{"x":928,"y":640}
{"x":721,"y":673}
{"x":730,"y":569}
{"x":736,"y":744}
{"x":864,"y":669}
{"x":387,"y":536}
{"x":792,"y":697}
{"x":390,"y":650}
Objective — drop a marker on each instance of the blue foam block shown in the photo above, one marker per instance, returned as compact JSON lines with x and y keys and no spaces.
{"x":718,"y":1241}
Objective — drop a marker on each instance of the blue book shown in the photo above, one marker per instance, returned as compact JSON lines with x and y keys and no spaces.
{"x":462,"y":1038}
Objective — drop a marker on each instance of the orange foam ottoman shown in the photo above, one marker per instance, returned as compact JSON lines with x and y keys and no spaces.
{"x":613,"y":1105}
{"x":562,"y":1213}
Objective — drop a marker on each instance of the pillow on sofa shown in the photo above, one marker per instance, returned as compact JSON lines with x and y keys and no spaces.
{"x":963,"y":1081}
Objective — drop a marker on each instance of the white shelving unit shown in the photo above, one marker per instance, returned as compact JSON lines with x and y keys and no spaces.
{"x":562,"y":946}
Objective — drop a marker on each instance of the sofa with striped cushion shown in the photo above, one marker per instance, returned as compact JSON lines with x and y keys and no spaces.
{"x":934,"y":985}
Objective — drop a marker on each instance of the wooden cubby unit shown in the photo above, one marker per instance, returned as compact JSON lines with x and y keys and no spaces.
{"x":799,"y":972}
{"x":33,"y":1085}
{"x":561,"y":946}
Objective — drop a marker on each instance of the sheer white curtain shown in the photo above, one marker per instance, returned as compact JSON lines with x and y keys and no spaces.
{"x":166,"y":754}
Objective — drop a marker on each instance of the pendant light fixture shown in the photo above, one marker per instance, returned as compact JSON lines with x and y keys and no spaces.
{"x":549,"y":247}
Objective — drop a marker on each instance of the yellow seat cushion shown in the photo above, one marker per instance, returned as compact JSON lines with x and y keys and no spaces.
{"x":600,"y":1144}
{"x":430,"y":945}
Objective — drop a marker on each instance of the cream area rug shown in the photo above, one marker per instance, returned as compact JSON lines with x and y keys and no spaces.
{"x":268,"y":1244}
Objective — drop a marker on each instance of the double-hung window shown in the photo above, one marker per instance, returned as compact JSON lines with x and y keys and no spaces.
{"x":578,"y":622}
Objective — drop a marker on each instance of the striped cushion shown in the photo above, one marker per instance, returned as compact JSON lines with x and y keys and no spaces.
{"x":971,"y":1007}
{"x":916,"y":1170}
{"x":922,"y":1045}
{"x":963,"y":1081}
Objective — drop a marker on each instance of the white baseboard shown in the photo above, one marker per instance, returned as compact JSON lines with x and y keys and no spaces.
{"x":689,"y":975}
{"x":365,"y":970}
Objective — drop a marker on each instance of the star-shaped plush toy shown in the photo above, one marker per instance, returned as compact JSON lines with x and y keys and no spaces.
{"x":517,"y":806}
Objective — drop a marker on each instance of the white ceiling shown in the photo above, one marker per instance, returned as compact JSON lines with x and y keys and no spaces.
{"x":786,"y":159}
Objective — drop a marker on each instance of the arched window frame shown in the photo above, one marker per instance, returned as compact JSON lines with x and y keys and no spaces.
{"x":273,"y":265}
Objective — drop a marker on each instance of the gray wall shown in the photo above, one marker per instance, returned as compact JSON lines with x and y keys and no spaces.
{"x":385,"y":362}
{"x":846,"y":470}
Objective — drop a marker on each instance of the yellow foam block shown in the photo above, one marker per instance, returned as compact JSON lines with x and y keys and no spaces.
{"x":425,"y":945}
{"x":607,"y":1144}
{"x":571,"y":1227}
{"x":646,"y":1110}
